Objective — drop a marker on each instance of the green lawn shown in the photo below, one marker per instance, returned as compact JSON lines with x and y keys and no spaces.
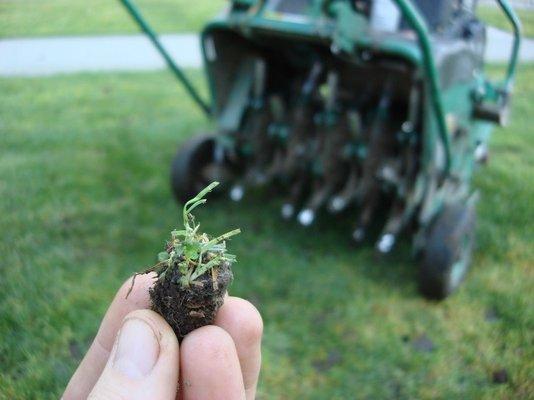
{"x":494,"y":16}
{"x":85,"y":202}
{"x":79,"y":17}
{"x":85,"y":17}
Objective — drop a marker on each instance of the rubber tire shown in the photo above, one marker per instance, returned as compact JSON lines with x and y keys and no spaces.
{"x":191,"y":157}
{"x":450,"y":238}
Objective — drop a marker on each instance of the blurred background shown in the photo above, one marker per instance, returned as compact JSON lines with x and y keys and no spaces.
{"x":89,"y":121}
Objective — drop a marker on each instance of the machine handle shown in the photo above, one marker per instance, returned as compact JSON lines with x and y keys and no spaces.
{"x":516,"y":24}
{"x":418,"y":24}
{"x":151,"y":34}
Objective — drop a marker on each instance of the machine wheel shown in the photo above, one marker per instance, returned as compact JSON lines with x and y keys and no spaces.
{"x":447,"y":253}
{"x":191,"y":167}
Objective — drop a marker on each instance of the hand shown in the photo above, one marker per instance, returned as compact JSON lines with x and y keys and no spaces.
{"x":135,"y":354}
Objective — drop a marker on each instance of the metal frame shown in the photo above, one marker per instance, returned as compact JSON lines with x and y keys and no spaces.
{"x":516,"y":25}
{"x":416,"y":22}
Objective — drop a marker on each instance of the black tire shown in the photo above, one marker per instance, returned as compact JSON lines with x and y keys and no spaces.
{"x":191,"y":159}
{"x":447,"y":253}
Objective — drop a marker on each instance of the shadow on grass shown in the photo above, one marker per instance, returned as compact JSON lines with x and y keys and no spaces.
{"x":325,"y":247}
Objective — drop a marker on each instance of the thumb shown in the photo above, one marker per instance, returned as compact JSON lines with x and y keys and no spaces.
{"x":143,"y":363}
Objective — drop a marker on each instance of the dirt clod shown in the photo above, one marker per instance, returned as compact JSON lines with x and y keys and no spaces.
{"x":189,"y":308}
{"x":332,"y":359}
{"x":192,"y":274}
{"x":500,"y":376}
{"x":423,"y":344}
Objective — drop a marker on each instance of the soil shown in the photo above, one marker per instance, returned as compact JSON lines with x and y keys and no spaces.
{"x":189,"y":308}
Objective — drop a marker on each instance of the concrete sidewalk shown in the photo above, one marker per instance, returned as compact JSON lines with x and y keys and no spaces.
{"x":60,"y":55}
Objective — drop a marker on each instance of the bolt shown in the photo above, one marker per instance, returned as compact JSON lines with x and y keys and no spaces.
{"x":386,"y":243}
{"x":287,"y":211}
{"x":306,"y":217}
{"x":237,"y":193}
{"x":481,"y":153}
{"x":337,"y":204}
{"x":358,"y":235}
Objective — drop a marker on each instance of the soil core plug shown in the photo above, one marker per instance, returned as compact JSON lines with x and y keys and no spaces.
{"x":193,"y":273}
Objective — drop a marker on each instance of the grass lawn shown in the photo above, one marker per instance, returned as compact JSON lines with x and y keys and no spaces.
{"x":79,"y":17}
{"x":495,"y":17}
{"x":85,"y":202}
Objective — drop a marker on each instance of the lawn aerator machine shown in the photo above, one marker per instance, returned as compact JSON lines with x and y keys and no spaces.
{"x":381,"y":105}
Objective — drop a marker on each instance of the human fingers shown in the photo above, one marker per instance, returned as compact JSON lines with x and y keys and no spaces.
{"x":243,"y":322}
{"x":209,"y":366}
{"x":94,"y":361}
{"x":144,"y":361}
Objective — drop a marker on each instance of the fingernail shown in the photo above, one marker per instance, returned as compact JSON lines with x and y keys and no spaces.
{"x":137,"y":349}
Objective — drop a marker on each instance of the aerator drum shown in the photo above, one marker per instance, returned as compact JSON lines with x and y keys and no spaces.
{"x":353,"y":104}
